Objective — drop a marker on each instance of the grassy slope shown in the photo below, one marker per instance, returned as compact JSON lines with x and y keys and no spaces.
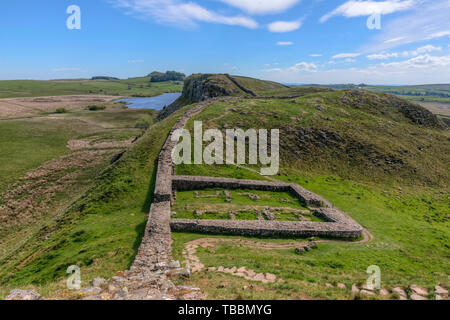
{"x":258,"y":86}
{"x":131,"y":87}
{"x":26,"y":144}
{"x":406,"y":212}
{"x":101,"y":231}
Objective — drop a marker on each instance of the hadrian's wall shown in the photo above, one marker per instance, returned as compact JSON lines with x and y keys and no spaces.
{"x":156,"y":247}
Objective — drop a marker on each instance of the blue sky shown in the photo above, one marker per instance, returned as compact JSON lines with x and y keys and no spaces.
{"x":290,"y":41}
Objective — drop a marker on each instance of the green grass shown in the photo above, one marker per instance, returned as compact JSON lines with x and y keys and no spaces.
{"x":134,"y":87}
{"x":27,"y":144}
{"x":218,"y":207}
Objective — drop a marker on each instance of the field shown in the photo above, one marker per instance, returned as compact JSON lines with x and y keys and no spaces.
{"x":133,"y":87}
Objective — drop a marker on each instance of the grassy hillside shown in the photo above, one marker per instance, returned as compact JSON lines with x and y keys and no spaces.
{"x":133,"y":87}
{"x":100,"y":232}
{"x":368,"y":156}
{"x":258,"y":86}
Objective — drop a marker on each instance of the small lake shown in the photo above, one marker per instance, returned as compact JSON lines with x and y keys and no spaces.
{"x":155,"y":103}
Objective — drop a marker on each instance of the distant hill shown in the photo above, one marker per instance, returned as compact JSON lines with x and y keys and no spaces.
{"x":168,"y":76}
{"x":420,"y":93}
{"x":104,"y":78}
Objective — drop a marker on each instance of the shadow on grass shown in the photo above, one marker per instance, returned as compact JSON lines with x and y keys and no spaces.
{"x":140,"y":229}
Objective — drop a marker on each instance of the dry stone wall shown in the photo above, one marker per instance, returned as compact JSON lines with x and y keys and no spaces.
{"x":156,"y":247}
{"x":192,"y":183}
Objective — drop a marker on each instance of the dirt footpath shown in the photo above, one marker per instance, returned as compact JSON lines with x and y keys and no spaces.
{"x":24,"y":107}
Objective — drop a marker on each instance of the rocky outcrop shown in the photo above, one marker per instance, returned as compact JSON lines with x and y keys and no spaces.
{"x":201,"y":87}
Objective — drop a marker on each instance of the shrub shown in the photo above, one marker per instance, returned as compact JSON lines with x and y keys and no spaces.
{"x":143,"y":123}
{"x":95,"y":108}
{"x":61,"y":110}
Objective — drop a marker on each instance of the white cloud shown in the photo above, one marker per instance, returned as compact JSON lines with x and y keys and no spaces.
{"x":262,"y":6}
{"x":405,"y":54}
{"x":273,"y":70}
{"x":285,"y":43}
{"x":345,"y":55}
{"x":135,"y":61}
{"x":439,"y":34}
{"x":394,"y":40}
{"x":429,"y":19}
{"x":298,"y":67}
{"x":382,"y":56}
{"x":184,"y":14}
{"x":284,"y":26}
{"x":423,"y":69}
{"x":351,"y":9}
{"x":315,"y":55}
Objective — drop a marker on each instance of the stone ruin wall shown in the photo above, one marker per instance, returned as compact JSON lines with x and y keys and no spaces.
{"x":337,"y":225}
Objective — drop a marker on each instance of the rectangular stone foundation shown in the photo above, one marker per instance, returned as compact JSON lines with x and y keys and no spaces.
{"x":267,"y":228}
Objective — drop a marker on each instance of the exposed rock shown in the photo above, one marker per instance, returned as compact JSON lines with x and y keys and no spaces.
{"x":383,"y":292}
{"x":440,"y":290}
{"x":299,"y":250}
{"x":419,"y":290}
{"x":98,"y":282}
{"x":400,"y":292}
{"x":355,"y":289}
{"x":341,"y":286}
{"x":175,"y":264}
{"x":312,"y":245}
{"x":415,"y":296}
{"x":367,"y":292}
{"x":122,"y":294}
{"x":368,"y":288}
{"x":23,"y":295}
{"x":89,"y":291}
